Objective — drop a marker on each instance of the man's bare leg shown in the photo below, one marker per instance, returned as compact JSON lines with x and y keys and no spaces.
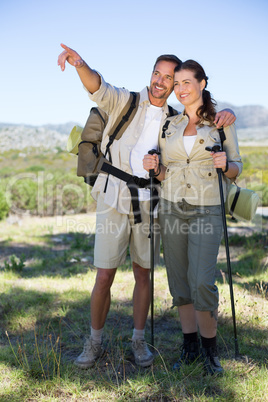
{"x":141,"y":303}
{"x":101,"y":297}
{"x":141,"y":295}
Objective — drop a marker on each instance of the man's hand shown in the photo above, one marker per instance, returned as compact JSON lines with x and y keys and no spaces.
{"x":150,"y":162}
{"x":71,"y":56}
{"x":224,"y":118}
{"x":90,"y":78}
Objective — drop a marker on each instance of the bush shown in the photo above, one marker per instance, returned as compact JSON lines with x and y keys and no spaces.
{"x":23,"y":195}
{"x":46,"y":193}
{"x":4,"y":207}
{"x":35,"y":168}
{"x":262,"y":190}
{"x":65,"y":193}
{"x":15,"y":263}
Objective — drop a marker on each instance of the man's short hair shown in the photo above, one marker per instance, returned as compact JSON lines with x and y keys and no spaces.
{"x":168,"y":57}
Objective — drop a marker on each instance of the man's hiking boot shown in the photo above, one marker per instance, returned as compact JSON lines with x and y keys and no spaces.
{"x":142,"y":354}
{"x":211,"y":363}
{"x":190,"y":352}
{"x":91,"y":352}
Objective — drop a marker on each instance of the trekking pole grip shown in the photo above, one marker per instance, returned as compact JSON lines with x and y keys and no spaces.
{"x":215,"y":149}
{"x":152,"y":152}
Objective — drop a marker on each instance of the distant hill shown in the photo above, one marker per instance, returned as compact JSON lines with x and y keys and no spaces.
{"x":60,"y":128}
{"x":248,"y":116}
{"x":251,"y":123}
{"x":50,"y":136}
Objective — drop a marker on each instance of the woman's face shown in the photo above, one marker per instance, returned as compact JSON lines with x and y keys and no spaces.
{"x":187,"y":89}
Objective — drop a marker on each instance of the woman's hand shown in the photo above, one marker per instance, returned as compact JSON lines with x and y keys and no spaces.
{"x":220,"y":160}
{"x":230,"y":169}
{"x":151,"y":162}
{"x":71,"y":56}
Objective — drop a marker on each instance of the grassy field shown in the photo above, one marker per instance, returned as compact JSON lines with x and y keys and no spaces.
{"x":46,"y":276}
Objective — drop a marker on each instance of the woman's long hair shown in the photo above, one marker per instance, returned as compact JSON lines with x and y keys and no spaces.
{"x":207,"y":111}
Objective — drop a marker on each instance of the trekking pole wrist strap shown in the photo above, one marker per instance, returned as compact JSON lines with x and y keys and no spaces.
{"x":227,"y":167}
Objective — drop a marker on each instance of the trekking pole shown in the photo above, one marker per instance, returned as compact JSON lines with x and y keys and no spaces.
{"x":151,"y":236}
{"x":217,"y":148}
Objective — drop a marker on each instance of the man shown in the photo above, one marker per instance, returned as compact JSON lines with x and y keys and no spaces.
{"x":115,"y":228}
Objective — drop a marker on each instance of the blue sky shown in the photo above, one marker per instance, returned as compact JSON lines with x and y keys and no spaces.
{"x":122,"y":39}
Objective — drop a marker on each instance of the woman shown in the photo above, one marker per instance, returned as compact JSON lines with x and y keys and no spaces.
{"x":190,"y":210}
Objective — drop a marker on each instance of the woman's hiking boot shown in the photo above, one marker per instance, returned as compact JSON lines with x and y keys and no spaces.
{"x":190,"y":352}
{"x":211,"y":361}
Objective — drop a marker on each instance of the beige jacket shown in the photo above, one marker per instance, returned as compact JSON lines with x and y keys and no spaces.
{"x":194,"y":178}
{"x":112,"y":100}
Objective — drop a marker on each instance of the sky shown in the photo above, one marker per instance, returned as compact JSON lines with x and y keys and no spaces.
{"x":122,"y":39}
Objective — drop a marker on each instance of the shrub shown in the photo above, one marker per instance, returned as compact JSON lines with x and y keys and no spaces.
{"x":35,"y":168}
{"x":4,"y":207}
{"x":262,"y":190}
{"x":23,"y":195}
{"x":15,"y":263}
{"x":47,"y":193}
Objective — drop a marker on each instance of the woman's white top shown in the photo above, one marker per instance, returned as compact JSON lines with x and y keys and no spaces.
{"x":188,"y":142}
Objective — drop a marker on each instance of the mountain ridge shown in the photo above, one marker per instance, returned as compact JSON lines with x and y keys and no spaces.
{"x":251,"y":123}
{"x":246,"y":116}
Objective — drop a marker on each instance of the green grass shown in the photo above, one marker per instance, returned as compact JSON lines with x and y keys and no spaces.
{"x":46,"y":278}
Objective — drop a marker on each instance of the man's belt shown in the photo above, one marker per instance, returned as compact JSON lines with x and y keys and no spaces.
{"x":133,"y":183}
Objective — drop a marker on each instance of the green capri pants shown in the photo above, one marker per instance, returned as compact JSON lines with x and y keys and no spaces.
{"x":191,"y":236}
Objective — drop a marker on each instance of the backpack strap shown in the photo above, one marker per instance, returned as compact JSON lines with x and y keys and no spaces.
{"x":96,"y":110}
{"x":171,"y":112}
{"x":222,"y":136}
{"x":133,"y":184}
{"x":164,"y":129}
{"x":232,"y":208}
{"x":123,"y":121}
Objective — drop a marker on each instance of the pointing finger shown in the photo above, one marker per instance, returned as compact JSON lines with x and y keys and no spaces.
{"x":65,"y":47}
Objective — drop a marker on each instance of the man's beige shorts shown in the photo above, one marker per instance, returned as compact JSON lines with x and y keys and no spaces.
{"x":115,"y":232}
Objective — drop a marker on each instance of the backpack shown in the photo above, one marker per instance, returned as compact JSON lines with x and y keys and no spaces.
{"x":89,"y":138}
{"x":89,"y":152}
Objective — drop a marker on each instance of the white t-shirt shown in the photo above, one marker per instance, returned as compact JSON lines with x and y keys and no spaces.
{"x":188,"y":142}
{"x":148,"y":140}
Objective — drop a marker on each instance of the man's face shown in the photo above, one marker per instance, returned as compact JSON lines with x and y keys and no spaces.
{"x":162,"y":82}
